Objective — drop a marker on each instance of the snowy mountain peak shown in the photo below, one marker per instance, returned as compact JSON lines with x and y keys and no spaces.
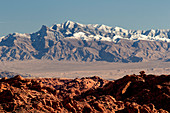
{"x":69,"y":21}
{"x":104,"y":27}
{"x":69,"y":24}
{"x":119,"y":29}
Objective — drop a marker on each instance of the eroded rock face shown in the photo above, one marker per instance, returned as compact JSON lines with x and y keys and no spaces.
{"x":132,"y":94}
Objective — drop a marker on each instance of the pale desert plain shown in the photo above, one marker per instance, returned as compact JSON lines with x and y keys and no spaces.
{"x":63,"y":69}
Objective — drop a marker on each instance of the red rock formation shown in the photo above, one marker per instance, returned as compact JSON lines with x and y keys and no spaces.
{"x":130,"y":94}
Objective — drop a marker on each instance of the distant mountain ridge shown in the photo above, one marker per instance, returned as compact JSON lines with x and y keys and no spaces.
{"x":78,"y":42}
{"x":12,"y":74}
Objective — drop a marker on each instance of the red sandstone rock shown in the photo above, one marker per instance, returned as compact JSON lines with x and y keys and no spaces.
{"x":132,"y":93}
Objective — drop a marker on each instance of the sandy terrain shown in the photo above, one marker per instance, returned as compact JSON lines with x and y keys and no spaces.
{"x":48,"y":68}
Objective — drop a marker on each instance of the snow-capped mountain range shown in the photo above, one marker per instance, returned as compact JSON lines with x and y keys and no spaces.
{"x":106,"y":33}
{"x":102,"y":32}
{"x":92,"y":42}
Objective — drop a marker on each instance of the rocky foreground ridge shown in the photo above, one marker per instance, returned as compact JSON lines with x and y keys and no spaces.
{"x":130,"y":94}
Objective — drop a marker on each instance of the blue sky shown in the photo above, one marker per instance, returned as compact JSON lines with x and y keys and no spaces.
{"x":26,"y":16}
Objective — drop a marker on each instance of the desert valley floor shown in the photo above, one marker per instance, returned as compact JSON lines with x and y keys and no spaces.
{"x":52,"y":68}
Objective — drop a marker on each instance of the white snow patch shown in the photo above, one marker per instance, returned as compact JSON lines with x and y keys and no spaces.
{"x":1,"y":38}
{"x":149,"y":38}
{"x":119,"y":29}
{"x":69,"y":24}
{"x":68,"y":32}
{"x":22,"y":35}
{"x":82,"y":36}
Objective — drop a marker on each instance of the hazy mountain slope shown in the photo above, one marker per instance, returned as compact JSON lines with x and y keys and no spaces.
{"x":78,"y":42}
